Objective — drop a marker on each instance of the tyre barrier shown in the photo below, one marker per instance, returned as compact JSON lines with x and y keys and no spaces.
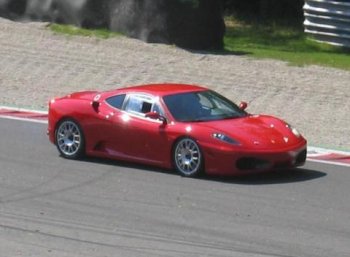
{"x":328,"y":21}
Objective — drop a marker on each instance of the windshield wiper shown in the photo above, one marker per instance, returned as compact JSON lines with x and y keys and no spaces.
{"x":198,"y":120}
{"x":233,"y":117}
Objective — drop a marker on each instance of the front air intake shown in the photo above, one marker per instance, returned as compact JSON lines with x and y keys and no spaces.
{"x":251,"y":163}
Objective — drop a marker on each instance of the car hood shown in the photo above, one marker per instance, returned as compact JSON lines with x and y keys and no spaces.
{"x":258,"y":131}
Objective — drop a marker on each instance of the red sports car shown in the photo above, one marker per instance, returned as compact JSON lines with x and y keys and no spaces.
{"x":189,"y":128}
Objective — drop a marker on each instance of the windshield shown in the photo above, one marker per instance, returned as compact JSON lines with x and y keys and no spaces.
{"x":201,"y":106}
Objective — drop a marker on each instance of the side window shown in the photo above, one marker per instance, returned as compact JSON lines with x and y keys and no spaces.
{"x":138,"y":105}
{"x":116,"y":101}
{"x":133,"y":105}
{"x":157,"y":109}
{"x":146,"y":107}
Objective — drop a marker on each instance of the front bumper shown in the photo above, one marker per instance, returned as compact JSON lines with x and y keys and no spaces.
{"x":248,"y":162}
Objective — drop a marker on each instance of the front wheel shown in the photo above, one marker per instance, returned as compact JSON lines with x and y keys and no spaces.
{"x":187,"y":158}
{"x":69,"y":139}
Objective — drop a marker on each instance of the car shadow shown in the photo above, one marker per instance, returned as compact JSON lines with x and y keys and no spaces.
{"x":126,"y":164}
{"x":275,"y":177}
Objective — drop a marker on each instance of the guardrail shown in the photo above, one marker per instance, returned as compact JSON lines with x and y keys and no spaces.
{"x":328,"y":21}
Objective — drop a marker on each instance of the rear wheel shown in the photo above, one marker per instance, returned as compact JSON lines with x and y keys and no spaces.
{"x":187,"y":158}
{"x":70,"y":139}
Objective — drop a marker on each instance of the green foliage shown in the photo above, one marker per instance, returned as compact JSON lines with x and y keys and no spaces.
{"x":265,"y":9}
{"x":283,"y":43}
{"x":71,"y":30}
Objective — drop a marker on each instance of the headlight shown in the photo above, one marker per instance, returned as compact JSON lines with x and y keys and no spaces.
{"x":294,"y":130}
{"x":224,"y":138}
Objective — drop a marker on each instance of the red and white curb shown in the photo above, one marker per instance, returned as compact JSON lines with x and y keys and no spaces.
{"x":322,"y":155}
{"x":23,"y":114}
{"x":314,"y":154}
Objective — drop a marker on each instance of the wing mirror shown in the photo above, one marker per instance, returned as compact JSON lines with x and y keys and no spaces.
{"x":156,"y":116}
{"x":243,"y":106}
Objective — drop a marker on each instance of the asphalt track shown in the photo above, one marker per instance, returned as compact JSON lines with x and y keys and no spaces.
{"x":54,"y":207}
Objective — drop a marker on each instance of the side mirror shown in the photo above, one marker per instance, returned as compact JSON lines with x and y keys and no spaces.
{"x":95,"y":105}
{"x":243,"y":106}
{"x":156,"y":116}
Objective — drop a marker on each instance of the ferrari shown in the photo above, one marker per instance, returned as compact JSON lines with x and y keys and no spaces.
{"x":189,"y":128}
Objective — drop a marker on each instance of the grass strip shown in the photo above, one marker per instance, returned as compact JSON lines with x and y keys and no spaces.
{"x":71,"y":30}
{"x":286,"y":43}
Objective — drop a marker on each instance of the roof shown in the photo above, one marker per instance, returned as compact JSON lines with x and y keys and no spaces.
{"x":159,"y":89}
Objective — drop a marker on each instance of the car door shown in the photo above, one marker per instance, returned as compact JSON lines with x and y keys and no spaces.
{"x":103,"y":129}
{"x":144,"y":139}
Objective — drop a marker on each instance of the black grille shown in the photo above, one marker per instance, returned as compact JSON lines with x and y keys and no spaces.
{"x":301,"y":158}
{"x":251,"y":163}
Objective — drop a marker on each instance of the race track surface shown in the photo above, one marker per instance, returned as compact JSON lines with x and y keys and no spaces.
{"x":50,"y":206}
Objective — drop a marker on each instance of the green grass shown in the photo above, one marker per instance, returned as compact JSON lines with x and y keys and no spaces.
{"x":71,"y":30}
{"x":286,"y":43}
{"x":283,"y":43}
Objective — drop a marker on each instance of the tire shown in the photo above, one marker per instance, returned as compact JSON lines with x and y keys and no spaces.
{"x":188,"y":158}
{"x":70,"y":140}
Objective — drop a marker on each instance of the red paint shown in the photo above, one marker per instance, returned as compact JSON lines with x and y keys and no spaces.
{"x":341,"y":158}
{"x":113,"y":133}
